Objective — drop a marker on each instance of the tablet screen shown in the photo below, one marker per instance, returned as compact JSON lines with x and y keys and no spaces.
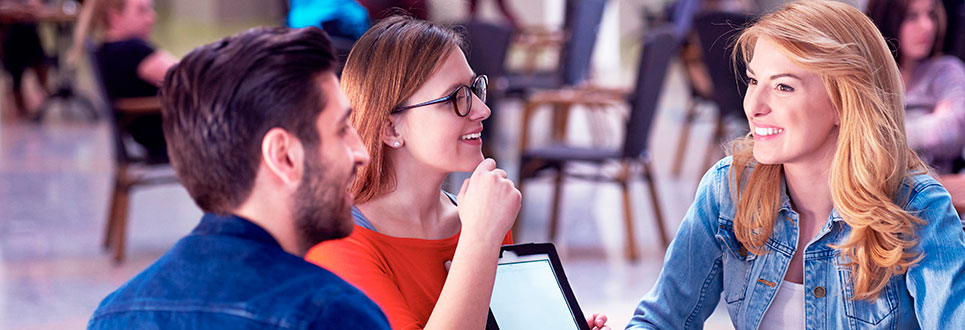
{"x":527,"y":295}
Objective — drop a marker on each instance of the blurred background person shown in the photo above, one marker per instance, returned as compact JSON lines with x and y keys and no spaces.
{"x":934,"y":84}
{"x":340,"y":18}
{"x":132,"y":67}
{"x":21,"y":49}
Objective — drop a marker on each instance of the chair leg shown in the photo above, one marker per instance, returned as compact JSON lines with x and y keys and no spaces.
{"x":120,"y":179}
{"x":119,"y":237}
{"x":111,"y":217}
{"x":116,"y":230}
{"x":557,"y":197}
{"x":658,"y":214}
{"x":631,"y":240}
{"x":561,"y":116}
{"x":689,"y":116}
{"x":715,"y":142}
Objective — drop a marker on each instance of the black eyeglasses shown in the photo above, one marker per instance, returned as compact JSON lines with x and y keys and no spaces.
{"x":461,"y":98}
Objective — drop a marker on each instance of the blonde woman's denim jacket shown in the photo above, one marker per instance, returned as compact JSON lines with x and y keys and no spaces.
{"x":705,"y":261}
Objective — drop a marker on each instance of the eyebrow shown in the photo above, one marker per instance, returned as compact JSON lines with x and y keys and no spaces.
{"x":348,"y":112}
{"x":779,"y":75}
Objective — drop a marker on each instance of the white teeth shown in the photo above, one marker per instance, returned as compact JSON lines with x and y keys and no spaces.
{"x":471,"y":136}
{"x":760,"y":131}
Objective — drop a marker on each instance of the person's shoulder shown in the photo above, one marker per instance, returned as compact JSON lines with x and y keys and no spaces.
{"x":720,"y":170}
{"x":323,"y":291}
{"x":947,"y":66}
{"x":920,"y":190}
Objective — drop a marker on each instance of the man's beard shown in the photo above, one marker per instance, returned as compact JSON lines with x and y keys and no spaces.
{"x":321,"y":212}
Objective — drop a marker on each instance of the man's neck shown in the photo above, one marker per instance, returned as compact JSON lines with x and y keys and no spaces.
{"x":275,"y":218}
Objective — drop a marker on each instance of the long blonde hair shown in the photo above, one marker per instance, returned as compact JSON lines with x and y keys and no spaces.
{"x":872,"y":159}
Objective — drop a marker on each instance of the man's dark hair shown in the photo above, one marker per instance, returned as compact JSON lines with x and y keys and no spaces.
{"x":222,"y":98}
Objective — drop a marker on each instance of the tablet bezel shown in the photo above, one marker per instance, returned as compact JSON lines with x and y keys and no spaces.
{"x":550,"y":250}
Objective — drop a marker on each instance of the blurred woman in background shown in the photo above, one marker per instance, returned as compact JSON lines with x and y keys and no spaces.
{"x":934,"y":84}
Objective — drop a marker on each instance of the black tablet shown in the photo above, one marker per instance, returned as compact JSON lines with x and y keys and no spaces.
{"x":531,"y":291}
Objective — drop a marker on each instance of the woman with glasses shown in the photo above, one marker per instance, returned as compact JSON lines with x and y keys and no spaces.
{"x":426,"y":260}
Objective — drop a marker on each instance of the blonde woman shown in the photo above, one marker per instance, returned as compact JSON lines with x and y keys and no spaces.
{"x":823,"y":218}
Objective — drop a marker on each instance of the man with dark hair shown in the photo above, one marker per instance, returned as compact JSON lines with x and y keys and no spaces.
{"x":258,"y":133}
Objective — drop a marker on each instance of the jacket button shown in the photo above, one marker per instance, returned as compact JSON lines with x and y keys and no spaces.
{"x":819,"y":292}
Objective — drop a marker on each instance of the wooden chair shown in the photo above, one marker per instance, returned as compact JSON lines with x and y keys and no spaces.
{"x":131,"y":169}
{"x":659,"y":46}
{"x":575,"y":43}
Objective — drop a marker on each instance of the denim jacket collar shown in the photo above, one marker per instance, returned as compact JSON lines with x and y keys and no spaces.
{"x":233,"y":225}
{"x":785,"y":202}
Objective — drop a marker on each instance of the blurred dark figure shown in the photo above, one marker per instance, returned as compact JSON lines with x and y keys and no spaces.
{"x":503,"y":8}
{"x":340,"y":18}
{"x":131,"y":67}
{"x":955,"y":41}
{"x":21,"y":48}
{"x":934,"y":84}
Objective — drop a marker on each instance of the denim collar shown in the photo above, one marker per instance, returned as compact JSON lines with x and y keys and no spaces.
{"x":235,"y":226}
{"x":785,"y":202}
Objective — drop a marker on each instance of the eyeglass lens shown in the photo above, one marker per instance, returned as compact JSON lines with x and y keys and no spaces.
{"x":463,"y":99}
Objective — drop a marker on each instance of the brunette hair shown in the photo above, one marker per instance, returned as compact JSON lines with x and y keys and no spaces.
{"x":889,"y":15}
{"x":388,"y":64}
{"x":222,"y":98}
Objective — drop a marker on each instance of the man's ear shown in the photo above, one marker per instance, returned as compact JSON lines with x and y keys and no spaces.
{"x":284,"y":155}
{"x":390,"y":132}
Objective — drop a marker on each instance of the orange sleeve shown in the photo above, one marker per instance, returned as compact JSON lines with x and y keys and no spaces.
{"x":509,"y":238}
{"x":358,"y":263}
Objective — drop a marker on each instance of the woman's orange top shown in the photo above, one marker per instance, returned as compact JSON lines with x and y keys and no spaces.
{"x":404,"y":276}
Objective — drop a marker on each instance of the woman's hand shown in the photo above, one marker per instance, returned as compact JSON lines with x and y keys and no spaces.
{"x":488,"y":203}
{"x":597,"y":321}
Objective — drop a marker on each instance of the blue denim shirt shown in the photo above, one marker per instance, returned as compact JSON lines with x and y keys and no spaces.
{"x":229,"y":273}
{"x":705,"y":260}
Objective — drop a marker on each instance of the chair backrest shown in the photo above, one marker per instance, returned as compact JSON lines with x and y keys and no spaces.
{"x":488,"y":46}
{"x":659,"y":46}
{"x":582,"y":24}
{"x":118,"y":135}
{"x":717,"y":32}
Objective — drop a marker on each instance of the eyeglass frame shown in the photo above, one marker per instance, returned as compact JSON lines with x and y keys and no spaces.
{"x":451,"y":97}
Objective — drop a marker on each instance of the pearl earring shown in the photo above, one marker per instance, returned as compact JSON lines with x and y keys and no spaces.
{"x":397,"y":144}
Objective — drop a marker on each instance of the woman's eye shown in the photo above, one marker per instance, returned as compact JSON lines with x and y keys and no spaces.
{"x":785,"y":88}
{"x":751,"y":81}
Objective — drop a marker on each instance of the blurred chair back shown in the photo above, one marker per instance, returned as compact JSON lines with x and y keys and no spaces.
{"x":583,"y":23}
{"x":130,"y":169}
{"x":118,"y":136}
{"x":717,"y":31}
{"x":659,"y":46}
{"x":488,"y":46}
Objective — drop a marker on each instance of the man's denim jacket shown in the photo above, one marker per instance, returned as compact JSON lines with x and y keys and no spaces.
{"x":230,"y":273}
{"x":705,"y":260}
